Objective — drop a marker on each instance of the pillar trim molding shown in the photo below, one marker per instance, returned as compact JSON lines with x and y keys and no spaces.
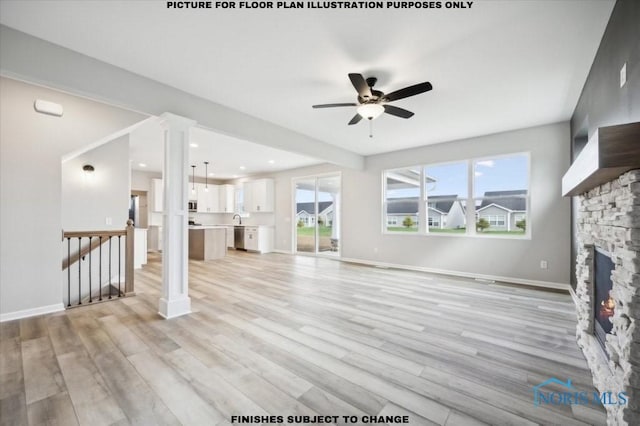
{"x":175,"y":299}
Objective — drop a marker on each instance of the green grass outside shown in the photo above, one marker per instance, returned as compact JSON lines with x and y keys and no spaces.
{"x":447,"y":231}
{"x":452,"y":231}
{"x":323,"y":231}
{"x":518,"y":232}
{"x":401,"y":229}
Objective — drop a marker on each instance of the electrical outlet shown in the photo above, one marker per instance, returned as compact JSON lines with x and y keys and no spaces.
{"x":623,"y":75}
{"x":544,"y":264}
{"x":107,"y":220}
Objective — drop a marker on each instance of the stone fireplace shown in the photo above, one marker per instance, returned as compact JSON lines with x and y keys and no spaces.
{"x":609,"y":225}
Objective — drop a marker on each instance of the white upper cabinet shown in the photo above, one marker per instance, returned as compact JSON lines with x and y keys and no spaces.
{"x":259,"y":196}
{"x":226,"y":199}
{"x":157,"y":195}
{"x":208,"y":198}
{"x":218,"y":198}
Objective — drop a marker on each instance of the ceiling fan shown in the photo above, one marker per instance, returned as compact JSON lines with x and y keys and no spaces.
{"x":372,"y":103}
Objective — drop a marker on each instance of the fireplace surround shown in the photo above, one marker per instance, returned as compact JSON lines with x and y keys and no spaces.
{"x":609,"y":219}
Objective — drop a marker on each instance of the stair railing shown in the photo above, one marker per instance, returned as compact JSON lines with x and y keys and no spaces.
{"x":81,"y":248}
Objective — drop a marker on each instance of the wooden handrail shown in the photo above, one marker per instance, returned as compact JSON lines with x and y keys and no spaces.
{"x":87,"y":234}
{"x":129,"y":255}
{"x":127,"y":232}
{"x":85,"y":250}
{"x":96,"y":239}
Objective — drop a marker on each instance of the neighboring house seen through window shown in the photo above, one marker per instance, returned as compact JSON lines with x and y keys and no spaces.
{"x":491,"y":192}
{"x":402,"y":193}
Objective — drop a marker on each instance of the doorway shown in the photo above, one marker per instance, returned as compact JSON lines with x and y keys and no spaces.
{"x":138,"y":209}
{"x":317,"y":215}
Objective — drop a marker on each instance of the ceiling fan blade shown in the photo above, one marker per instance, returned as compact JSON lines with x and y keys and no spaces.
{"x":361,"y":85}
{"x":334,"y":105}
{"x":398,"y":112}
{"x":356,"y":119}
{"x":408,"y":91}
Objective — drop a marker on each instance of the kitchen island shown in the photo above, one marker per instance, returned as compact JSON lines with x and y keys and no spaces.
{"x":207,"y":242}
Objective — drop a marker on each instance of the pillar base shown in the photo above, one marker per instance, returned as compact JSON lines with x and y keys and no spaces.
{"x":174,"y":308}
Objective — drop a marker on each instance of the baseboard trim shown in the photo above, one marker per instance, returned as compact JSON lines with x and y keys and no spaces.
{"x":534,"y":283}
{"x":281,"y":251}
{"x":574,"y":296}
{"x":26,"y":313}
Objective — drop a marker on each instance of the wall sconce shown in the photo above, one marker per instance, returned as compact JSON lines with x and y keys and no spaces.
{"x":88,"y":170}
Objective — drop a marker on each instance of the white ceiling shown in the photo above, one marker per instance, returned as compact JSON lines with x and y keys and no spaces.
{"x":228,"y":157}
{"x":498,"y":66}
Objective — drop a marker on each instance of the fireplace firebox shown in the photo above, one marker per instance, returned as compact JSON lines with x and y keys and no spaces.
{"x":604,"y":304}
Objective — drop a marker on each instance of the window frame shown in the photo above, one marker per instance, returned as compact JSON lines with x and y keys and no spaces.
{"x":425,"y":195}
{"x":420,"y":213}
{"x":471,"y":215}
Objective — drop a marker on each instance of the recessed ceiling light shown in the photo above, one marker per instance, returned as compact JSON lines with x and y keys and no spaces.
{"x":235,"y":176}
{"x":193,"y":145}
{"x":211,"y":174}
{"x":242,"y":167}
{"x":272,"y":161}
{"x":142,"y":165}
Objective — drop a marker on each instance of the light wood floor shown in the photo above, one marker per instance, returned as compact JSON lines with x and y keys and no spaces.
{"x":284,"y":335}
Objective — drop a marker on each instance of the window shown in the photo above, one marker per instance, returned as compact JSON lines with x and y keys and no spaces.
{"x":445,"y":189}
{"x":239,"y":201}
{"x":501,"y":194}
{"x":494,"y":220}
{"x":492,"y":192}
{"x":402,"y":193}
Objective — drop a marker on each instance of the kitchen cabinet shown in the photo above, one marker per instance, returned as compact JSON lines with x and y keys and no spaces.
{"x":258,"y":238}
{"x":218,"y":198}
{"x":208,"y":198}
{"x":258,"y":196}
{"x":230,"y":237}
{"x":154,"y":238}
{"x":157,"y":193}
{"x":139,"y":248}
{"x":207,"y":242}
{"x":227,"y":198}
{"x":251,"y":237}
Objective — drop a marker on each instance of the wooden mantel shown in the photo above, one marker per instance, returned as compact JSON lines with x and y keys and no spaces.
{"x":610,"y":152}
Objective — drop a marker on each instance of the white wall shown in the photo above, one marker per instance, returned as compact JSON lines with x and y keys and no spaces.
{"x":31,"y":147}
{"x":362,"y":236}
{"x":89,"y":200}
{"x":141,"y":181}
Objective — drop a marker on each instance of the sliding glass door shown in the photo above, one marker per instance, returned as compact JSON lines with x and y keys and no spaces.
{"x":317,"y":221}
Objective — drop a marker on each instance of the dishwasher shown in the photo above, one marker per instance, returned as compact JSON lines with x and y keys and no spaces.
{"x":238,"y":237}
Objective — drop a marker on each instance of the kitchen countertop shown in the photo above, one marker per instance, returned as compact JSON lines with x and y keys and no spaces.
{"x":194,"y":227}
{"x":228,"y":226}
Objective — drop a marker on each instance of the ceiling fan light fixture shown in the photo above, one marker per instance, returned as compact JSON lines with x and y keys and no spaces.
{"x":370,"y":111}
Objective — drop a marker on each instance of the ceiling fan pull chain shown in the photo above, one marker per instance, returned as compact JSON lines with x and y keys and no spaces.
{"x":370,"y":128}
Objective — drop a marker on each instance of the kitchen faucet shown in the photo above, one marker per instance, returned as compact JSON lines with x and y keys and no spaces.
{"x":239,"y":218}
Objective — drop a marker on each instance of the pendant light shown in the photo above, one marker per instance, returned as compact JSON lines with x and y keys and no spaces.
{"x":206,"y":180}
{"x":193,"y":179}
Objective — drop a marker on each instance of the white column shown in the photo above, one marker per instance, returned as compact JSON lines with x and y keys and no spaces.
{"x":175,"y":299}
